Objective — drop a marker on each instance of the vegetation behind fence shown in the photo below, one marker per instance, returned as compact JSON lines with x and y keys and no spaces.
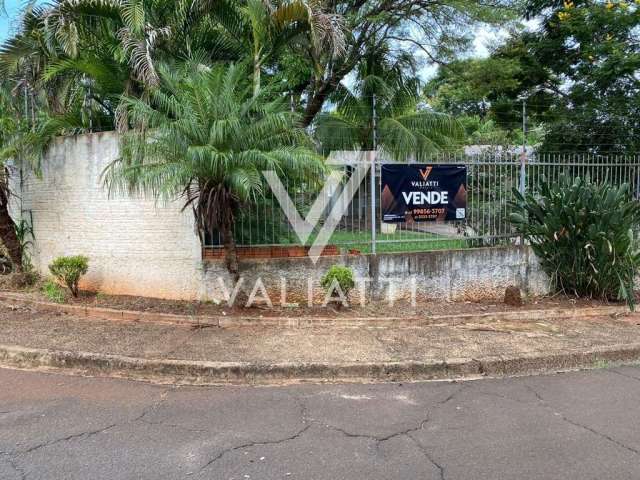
{"x":491,"y":179}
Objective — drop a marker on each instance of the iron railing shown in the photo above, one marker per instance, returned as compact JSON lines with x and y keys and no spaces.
{"x":491,"y":179}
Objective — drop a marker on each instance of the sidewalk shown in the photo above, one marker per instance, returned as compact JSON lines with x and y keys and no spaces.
{"x":32,"y":338}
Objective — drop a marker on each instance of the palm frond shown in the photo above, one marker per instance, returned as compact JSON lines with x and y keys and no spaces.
{"x":205,"y":138}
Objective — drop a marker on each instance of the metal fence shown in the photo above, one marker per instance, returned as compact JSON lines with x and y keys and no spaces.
{"x":491,"y":178}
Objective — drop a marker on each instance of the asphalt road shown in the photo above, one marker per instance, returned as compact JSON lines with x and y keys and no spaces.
{"x":583,"y":425}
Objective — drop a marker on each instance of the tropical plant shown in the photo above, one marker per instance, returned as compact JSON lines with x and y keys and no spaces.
{"x":264,"y":29}
{"x":437,"y":31}
{"x":205,"y":137}
{"x":77,"y":56}
{"x":24,"y":232}
{"x":22,"y":145}
{"x":584,"y":235}
{"x":339,"y":275}
{"x":81,"y":55}
{"x":381,"y":111}
{"x":69,"y":270}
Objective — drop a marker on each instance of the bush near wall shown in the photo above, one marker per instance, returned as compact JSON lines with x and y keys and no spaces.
{"x":340,"y":275}
{"x":69,"y":270}
{"x":584,"y":235}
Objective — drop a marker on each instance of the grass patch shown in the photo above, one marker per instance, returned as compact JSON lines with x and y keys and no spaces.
{"x":397,"y":242}
{"x":400,"y":241}
{"x":600,"y":364}
{"x":54,"y":292}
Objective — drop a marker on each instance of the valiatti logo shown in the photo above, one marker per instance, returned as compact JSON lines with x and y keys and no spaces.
{"x":425,"y":173}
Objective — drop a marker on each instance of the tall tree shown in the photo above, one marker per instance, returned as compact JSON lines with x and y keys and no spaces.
{"x":438,"y":30}
{"x":204,"y":136}
{"x":594,"y":46}
{"x":577,"y":74}
{"x":382,"y":107}
{"x":91,"y":51}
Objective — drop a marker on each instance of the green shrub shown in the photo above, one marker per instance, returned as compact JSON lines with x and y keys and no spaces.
{"x":53,"y":292}
{"x":583,"y":234}
{"x":342,"y":275}
{"x":24,"y":232}
{"x":68,"y":271}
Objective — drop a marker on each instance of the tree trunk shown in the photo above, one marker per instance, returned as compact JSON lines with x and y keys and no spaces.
{"x":231,"y":262}
{"x":230,"y":251}
{"x":322,"y":92}
{"x":256,"y":75}
{"x":8,"y":231}
{"x":315,"y":104}
{"x":322,"y":89}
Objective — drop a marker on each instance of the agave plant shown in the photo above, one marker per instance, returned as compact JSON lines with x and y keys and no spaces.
{"x":584,"y":235}
{"x":203,"y":136}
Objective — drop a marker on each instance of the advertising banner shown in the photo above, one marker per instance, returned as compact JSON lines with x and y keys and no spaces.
{"x":423,"y":193}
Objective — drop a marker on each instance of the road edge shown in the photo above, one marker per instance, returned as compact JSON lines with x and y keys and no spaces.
{"x":186,"y":372}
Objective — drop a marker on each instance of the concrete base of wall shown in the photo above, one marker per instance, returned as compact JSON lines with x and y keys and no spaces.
{"x":446,"y":275}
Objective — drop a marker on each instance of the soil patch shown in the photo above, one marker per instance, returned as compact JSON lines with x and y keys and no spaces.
{"x":371,"y":309}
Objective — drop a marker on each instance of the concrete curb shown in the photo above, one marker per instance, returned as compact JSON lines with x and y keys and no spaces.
{"x":207,"y":373}
{"x":305,"y":322}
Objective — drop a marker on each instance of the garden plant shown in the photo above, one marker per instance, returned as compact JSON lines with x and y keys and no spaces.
{"x":69,"y":270}
{"x":339,"y":275}
{"x":585,"y":235}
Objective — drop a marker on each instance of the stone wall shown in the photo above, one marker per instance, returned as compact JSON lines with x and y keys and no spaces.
{"x":137,"y":246}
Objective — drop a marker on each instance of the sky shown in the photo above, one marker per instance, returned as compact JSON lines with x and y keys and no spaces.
{"x":8,"y":17}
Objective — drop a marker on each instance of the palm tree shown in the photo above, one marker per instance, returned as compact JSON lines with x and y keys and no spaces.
{"x":84,"y":88}
{"x":203,"y":136}
{"x":381,"y":110}
{"x":83,"y":54}
{"x":259,"y":30}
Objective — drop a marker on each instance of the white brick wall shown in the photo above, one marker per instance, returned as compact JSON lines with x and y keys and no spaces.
{"x":135,"y":246}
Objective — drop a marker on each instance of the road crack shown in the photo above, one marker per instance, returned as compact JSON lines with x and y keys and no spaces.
{"x":625,"y":375}
{"x":429,"y":457}
{"x":408,"y":433}
{"x":592,"y":430}
{"x":452,"y":395}
{"x":303,"y":419}
{"x":73,"y":436}
{"x":13,"y":456}
{"x":405,"y":433}
{"x":379,"y":439}
{"x":154,"y":406}
{"x":600,"y":434}
{"x":255,"y":444}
